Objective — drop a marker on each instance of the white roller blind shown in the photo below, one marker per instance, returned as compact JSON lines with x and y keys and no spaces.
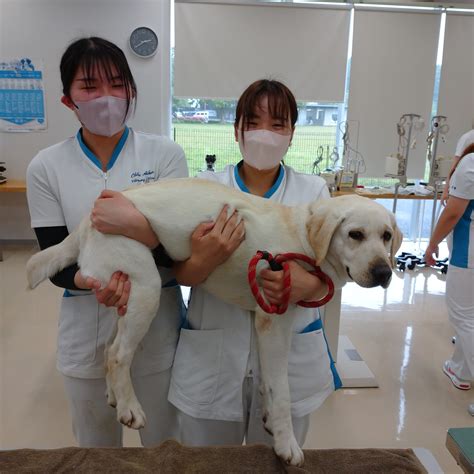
{"x":221,"y":49}
{"x":392,"y":73}
{"x":456,"y":95}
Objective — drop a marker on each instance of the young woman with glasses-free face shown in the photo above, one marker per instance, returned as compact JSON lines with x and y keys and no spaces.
{"x":63,"y":181}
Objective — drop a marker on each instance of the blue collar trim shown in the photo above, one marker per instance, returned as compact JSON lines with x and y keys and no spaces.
{"x":118,"y":148}
{"x":244,"y":188}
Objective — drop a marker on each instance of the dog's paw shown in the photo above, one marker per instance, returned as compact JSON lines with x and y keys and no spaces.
{"x":132,"y":415}
{"x":288,"y":450}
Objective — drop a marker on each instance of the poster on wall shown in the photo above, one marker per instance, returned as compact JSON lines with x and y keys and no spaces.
{"x":22,"y":105}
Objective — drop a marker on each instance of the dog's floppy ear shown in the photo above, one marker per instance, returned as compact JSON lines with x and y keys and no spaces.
{"x":397,"y":239}
{"x":322,"y":223}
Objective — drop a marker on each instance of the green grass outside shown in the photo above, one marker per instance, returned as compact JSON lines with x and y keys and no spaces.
{"x":201,"y":139}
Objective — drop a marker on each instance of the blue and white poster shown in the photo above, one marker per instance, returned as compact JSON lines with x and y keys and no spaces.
{"x":22,"y":105}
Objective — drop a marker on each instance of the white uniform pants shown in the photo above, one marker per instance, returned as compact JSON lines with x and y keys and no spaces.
{"x":94,"y":422}
{"x":205,"y":432}
{"x":460,"y":302}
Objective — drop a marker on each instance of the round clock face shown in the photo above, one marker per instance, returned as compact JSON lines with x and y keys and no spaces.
{"x":144,"y":42}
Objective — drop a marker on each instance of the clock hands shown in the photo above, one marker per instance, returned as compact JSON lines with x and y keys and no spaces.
{"x":142,"y":42}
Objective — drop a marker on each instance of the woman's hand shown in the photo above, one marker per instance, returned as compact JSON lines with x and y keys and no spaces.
{"x":113,"y":213}
{"x":304,"y":285}
{"x":430,"y":250}
{"x":115,"y":294}
{"x":444,"y":197}
{"x":212,"y":243}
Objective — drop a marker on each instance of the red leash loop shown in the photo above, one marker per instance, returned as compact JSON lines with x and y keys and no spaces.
{"x":252,"y":278}
{"x":281,"y":262}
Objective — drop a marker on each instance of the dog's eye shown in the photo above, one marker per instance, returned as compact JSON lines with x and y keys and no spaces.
{"x":386,"y":236}
{"x":356,"y":235}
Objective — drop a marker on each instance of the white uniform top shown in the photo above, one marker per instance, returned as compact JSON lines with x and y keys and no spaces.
{"x":461,"y":240}
{"x":62,"y":183}
{"x":464,"y":141}
{"x":217,"y":347}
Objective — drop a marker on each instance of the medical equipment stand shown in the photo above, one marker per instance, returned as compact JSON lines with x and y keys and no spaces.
{"x":402,"y":179}
{"x":438,"y":124}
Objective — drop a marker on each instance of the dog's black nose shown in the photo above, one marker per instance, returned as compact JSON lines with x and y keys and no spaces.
{"x":381,"y":275}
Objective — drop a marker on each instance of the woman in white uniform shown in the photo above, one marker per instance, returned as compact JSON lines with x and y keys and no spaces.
{"x":457,"y":220}
{"x":463,"y":142}
{"x":216,"y":370}
{"x":63,"y":181}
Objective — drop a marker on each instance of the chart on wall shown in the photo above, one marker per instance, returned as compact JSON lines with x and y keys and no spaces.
{"x":22,"y":104}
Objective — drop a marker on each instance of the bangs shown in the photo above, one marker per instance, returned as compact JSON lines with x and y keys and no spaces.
{"x":110,"y":65}
{"x":281,"y":103}
{"x":97,"y":55}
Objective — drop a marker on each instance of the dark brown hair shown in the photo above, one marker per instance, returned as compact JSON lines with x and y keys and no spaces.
{"x":87,"y":54}
{"x":281,"y":102}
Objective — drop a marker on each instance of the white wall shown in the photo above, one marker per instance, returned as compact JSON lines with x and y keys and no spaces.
{"x":43,"y":29}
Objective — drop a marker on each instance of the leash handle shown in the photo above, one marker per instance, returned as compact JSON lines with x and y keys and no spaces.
{"x":317,"y":272}
{"x":280,"y":262}
{"x":275,"y":266}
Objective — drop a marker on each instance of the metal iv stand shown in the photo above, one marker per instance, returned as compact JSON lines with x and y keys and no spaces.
{"x":439,"y":127}
{"x":402,"y":175}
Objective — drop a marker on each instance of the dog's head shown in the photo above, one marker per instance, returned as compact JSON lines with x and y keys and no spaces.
{"x":354,"y":238}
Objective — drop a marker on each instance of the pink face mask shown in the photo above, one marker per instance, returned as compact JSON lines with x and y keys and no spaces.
{"x":105,"y":115}
{"x":263,"y":149}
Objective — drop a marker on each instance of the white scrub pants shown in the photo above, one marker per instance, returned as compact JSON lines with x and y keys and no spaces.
{"x":205,"y":432}
{"x":94,"y":422}
{"x":460,"y":303}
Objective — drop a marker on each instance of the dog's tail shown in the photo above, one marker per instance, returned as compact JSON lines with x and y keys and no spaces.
{"x":50,"y":261}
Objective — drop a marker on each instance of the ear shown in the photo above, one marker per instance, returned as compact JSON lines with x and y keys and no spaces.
{"x":321,"y":226}
{"x":68,"y":102}
{"x":397,"y":239}
{"x":236,"y":133}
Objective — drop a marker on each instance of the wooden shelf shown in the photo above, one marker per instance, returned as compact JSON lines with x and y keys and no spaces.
{"x":13,"y":186}
{"x":384,"y":195}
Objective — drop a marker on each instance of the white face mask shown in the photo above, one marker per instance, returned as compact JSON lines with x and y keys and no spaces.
{"x":105,"y":115}
{"x":263,"y":149}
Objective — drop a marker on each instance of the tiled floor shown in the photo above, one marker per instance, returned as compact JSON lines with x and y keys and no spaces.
{"x":402,"y":333}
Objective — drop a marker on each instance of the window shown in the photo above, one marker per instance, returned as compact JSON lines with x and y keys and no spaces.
{"x":206,"y":127}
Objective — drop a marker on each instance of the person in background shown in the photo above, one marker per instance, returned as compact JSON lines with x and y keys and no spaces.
{"x":457,"y":221}
{"x":462,"y":144}
{"x":215,"y":376}
{"x":63,"y":181}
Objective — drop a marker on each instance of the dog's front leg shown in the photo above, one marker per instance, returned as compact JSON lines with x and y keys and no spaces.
{"x":274,"y":340}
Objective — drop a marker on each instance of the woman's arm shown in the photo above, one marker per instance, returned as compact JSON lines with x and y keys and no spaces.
{"x":450,"y":216}
{"x":444,"y":196}
{"x":113,"y":213}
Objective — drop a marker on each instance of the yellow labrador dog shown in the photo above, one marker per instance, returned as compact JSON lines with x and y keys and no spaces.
{"x":351,"y":238}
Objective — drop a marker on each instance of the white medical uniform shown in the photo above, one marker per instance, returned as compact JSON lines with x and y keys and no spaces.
{"x":215,"y":375}
{"x":460,"y":277}
{"x":62,"y":183}
{"x":464,"y":142}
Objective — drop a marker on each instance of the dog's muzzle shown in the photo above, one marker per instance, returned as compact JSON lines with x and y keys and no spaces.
{"x":381,"y":275}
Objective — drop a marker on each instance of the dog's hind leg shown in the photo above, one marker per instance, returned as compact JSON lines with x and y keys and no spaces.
{"x":111,"y":400}
{"x":274,"y":340}
{"x":141,"y":309}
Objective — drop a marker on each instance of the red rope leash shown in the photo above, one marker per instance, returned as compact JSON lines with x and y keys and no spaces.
{"x":281,"y":262}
